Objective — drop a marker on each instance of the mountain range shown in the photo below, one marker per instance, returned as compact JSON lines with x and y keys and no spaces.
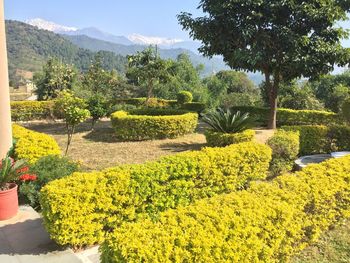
{"x":31,"y":43}
{"x":132,"y":39}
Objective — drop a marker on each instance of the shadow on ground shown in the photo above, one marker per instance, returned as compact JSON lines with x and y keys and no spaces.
{"x":181,"y":146}
{"x":26,"y":238}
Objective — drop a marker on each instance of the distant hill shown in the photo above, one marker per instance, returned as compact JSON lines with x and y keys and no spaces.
{"x":29,"y":48}
{"x":211,"y":65}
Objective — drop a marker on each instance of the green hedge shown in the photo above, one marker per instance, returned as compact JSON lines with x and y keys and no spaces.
{"x":153,"y":102}
{"x":31,"y":145}
{"x":162,"y":103}
{"x":223,"y":139}
{"x":79,"y":209}
{"x":269,"y":222}
{"x":285,"y":147}
{"x":148,"y":124}
{"x":292,"y":117}
{"x":316,"y":139}
{"x":193,"y":106}
{"x":31,"y":110}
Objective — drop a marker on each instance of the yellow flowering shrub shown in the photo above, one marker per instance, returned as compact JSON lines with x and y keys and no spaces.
{"x":221,"y":139}
{"x":31,"y":145}
{"x":79,"y":209}
{"x":148,"y":124}
{"x":31,"y":110}
{"x":269,"y":222}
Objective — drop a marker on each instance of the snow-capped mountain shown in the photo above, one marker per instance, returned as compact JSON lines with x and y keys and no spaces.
{"x":93,"y":32}
{"x":148,"y":40}
{"x":50,"y":26}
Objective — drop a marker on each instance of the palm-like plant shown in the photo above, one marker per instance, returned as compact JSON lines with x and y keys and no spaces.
{"x":226,"y":121}
{"x":10,"y":171}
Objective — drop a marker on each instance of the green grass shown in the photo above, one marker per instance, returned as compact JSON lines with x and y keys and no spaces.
{"x":333,"y":246}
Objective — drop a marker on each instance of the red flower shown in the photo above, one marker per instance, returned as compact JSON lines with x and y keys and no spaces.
{"x":28,"y":177}
{"x":23,"y":170}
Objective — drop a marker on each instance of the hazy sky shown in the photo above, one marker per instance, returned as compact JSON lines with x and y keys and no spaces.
{"x":120,"y":17}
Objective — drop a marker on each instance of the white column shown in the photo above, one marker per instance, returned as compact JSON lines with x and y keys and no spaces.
{"x":5,"y":111}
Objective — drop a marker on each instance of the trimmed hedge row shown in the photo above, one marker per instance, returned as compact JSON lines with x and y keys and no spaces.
{"x":292,"y":117}
{"x":31,"y":145}
{"x":220,"y":139}
{"x":269,"y":222}
{"x":316,"y":139}
{"x":79,"y":209}
{"x":31,"y":110}
{"x":152,"y":102}
{"x":148,"y":124}
{"x":162,"y":103}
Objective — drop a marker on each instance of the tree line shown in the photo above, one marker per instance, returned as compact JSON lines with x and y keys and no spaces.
{"x":147,"y":75}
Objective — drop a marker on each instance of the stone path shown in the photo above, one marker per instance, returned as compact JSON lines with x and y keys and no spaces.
{"x":23,"y":239}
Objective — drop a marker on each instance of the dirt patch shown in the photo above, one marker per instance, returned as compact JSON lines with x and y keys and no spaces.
{"x":100,"y":149}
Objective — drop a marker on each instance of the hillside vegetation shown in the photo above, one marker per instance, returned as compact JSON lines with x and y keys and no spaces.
{"x":29,"y":48}
{"x":93,"y":44}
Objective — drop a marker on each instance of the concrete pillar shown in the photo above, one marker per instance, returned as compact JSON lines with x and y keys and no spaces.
{"x":5,"y":111}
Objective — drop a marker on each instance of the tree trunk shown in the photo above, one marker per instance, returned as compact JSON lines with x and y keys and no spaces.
{"x":272,"y":90}
{"x":272,"y":123}
{"x":149,"y":92}
{"x":70,"y":132}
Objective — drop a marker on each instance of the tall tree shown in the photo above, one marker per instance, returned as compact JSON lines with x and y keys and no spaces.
{"x":147,"y":69}
{"x":54,"y":77}
{"x":229,"y":87}
{"x":283,"y":39}
{"x":183,"y":76}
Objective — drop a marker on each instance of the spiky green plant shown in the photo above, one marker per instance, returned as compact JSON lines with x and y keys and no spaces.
{"x":10,"y":170}
{"x":228,"y":122}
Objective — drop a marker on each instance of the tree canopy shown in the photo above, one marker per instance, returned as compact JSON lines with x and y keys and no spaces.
{"x":55,"y":77}
{"x":231,"y":88}
{"x":283,"y":39}
{"x":147,"y":69}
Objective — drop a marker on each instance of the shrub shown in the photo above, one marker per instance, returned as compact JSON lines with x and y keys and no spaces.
{"x":31,"y":110}
{"x":339,"y":137}
{"x":162,"y":103}
{"x":80,"y":208}
{"x":285,"y":149}
{"x":227,"y":121}
{"x":73,"y":110}
{"x":313,"y":138}
{"x":316,"y":139}
{"x":152,"y":102}
{"x":148,"y":124}
{"x":97,"y":107}
{"x":345,"y":110}
{"x":193,"y":106}
{"x":47,"y":168}
{"x":292,"y":117}
{"x":269,"y":222}
{"x":120,"y":107}
{"x":31,"y":145}
{"x":184,"y":97}
{"x":220,"y":139}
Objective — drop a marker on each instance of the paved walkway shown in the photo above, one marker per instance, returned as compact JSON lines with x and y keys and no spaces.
{"x":23,"y":239}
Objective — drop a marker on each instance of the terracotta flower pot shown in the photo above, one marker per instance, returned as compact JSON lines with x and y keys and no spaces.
{"x":8,"y":202}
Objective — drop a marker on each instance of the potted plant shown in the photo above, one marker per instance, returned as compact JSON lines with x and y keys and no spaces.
{"x":10,"y":171}
{"x":228,"y":127}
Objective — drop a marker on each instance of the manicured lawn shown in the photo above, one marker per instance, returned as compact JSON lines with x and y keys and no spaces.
{"x":333,"y":247}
